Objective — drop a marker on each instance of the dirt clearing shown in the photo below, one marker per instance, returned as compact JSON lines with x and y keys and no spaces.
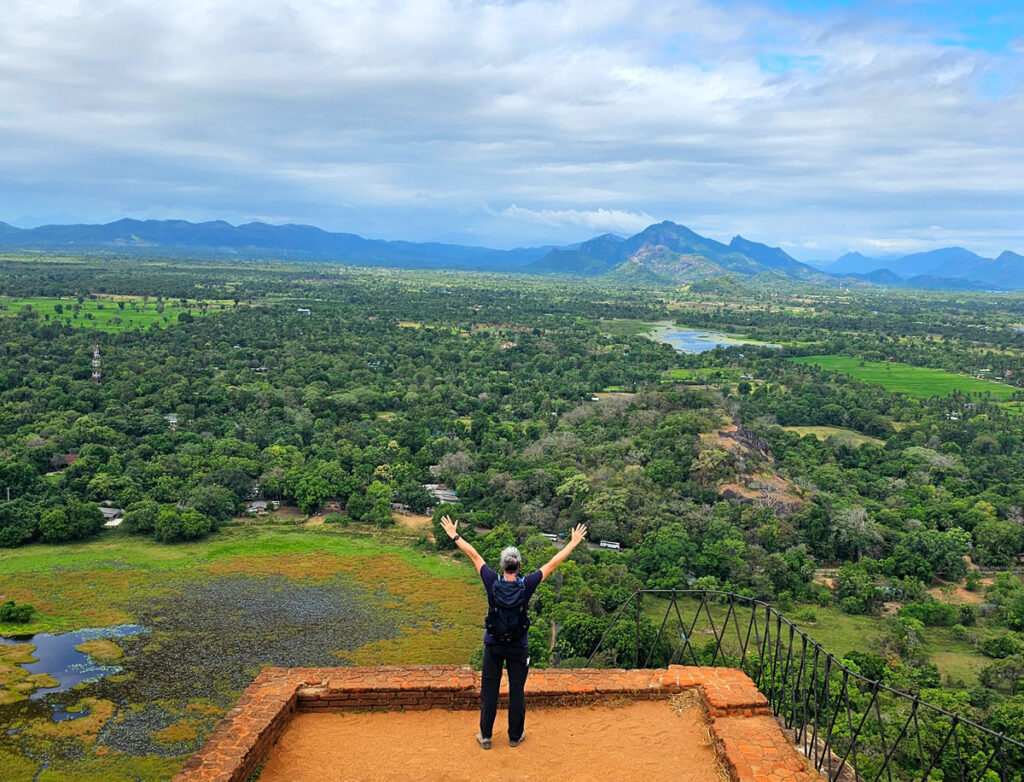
{"x":640,"y":741}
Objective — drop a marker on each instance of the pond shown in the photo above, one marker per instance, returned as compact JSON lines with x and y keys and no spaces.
{"x":172,"y":675}
{"x":56,"y":655}
{"x":698,"y":341}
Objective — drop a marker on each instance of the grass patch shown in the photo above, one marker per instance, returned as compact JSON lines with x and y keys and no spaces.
{"x":87,"y":584}
{"x":838,"y":633}
{"x":847,"y":436}
{"x":618,"y":327}
{"x":920,"y":382}
{"x":703,"y":374}
{"x":105,"y":313}
{"x":84,"y":729}
{"x":101,"y":650}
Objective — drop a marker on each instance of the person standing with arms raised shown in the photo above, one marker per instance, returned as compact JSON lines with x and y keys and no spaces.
{"x":506,"y":639}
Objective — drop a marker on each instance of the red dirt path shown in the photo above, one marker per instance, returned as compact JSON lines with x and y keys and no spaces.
{"x":645,"y":740}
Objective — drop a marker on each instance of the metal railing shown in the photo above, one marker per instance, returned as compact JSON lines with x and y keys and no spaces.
{"x":850,"y":727}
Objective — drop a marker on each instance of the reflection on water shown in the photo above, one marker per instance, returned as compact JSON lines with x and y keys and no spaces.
{"x":696,"y":341}
{"x":56,"y":655}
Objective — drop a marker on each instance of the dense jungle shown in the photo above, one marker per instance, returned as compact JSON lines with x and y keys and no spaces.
{"x":273,"y":440}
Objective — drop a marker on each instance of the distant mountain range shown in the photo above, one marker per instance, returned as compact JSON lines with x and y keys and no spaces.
{"x":258,"y":240}
{"x":947,"y":267}
{"x":664,"y":253}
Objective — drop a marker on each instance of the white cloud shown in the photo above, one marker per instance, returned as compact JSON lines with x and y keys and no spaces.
{"x":401,"y":118}
{"x":600,"y":220}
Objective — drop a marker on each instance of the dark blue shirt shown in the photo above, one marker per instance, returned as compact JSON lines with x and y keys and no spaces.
{"x":531,"y":582}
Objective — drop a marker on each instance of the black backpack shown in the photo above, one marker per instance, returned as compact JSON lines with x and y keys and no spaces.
{"x":507,"y":620}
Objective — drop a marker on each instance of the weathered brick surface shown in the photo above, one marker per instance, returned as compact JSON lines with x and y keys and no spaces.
{"x":753,"y":747}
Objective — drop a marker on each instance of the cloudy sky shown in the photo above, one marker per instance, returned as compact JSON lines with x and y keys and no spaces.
{"x":818,"y":125}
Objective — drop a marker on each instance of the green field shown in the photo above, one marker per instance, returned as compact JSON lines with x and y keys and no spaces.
{"x":703,"y":374}
{"x":106,"y":313}
{"x":921,"y":382}
{"x":626,"y":328}
{"x":119,"y":558}
{"x":847,"y":436}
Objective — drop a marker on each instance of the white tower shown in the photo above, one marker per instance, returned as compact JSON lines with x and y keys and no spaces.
{"x":96,"y":376}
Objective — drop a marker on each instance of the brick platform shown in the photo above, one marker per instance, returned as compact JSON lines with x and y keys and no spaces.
{"x":750,"y":742}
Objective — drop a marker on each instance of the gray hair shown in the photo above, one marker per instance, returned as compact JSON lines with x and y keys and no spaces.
{"x":511,"y":559}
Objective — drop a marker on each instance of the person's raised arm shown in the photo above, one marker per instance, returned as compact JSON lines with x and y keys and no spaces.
{"x":579,"y":532}
{"x":452,"y":531}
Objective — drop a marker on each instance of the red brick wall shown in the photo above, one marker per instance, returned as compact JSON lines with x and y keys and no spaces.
{"x":753,"y":747}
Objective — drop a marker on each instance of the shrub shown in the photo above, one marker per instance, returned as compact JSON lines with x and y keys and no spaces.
{"x":806,"y":615}
{"x":337,"y":518}
{"x":1006,"y":676}
{"x":967,"y":616}
{"x":999,"y":647}
{"x":785,"y":602}
{"x":140,"y":518}
{"x":972,"y":581}
{"x":871,"y":666}
{"x":476,"y":659}
{"x":930,"y":614}
{"x":853,"y":605}
{"x":17,"y":614}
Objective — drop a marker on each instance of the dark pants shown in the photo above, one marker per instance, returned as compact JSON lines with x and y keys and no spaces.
{"x":514,"y":658}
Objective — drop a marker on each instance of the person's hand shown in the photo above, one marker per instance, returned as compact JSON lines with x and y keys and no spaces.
{"x":579,"y":532}
{"x":450,"y":527}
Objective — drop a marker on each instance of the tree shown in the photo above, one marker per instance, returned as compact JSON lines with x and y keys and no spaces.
{"x":140,"y":518}
{"x":711,"y":465}
{"x":311,"y":492}
{"x":928,"y":553}
{"x":173,"y":525}
{"x":997,"y":542}
{"x":665,"y":556}
{"x":18,"y":523}
{"x":217,"y":502}
{"x":412,"y":494}
{"x":74,"y":521}
{"x":358,"y":506}
{"x":1015,"y":611}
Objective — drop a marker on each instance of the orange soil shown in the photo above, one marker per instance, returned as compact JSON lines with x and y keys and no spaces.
{"x":415,"y":521}
{"x":961,"y":594}
{"x":641,"y":741}
{"x":723,"y":439}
